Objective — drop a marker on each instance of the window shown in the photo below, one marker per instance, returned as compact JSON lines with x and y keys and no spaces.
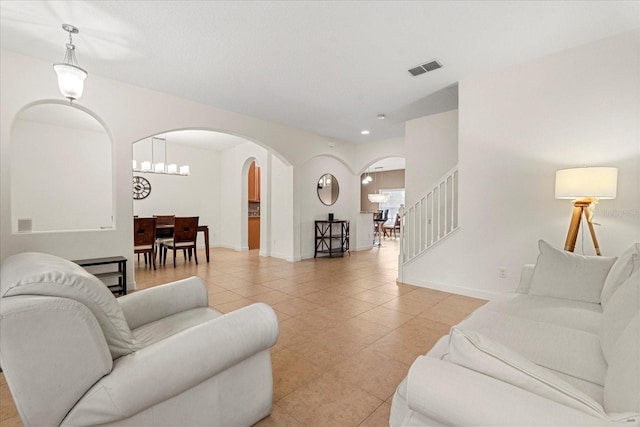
{"x":396,"y":199}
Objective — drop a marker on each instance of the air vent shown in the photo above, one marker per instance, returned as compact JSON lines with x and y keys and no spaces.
{"x":417,"y":71}
{"x":421,"y":69}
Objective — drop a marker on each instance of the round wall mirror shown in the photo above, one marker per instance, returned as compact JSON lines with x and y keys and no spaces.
{"x":328,"y":189}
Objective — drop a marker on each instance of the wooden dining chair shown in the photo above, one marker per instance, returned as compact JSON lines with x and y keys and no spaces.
{"x":144,"y":238}
{"x":185,"y":231}
{"x":163,"y":234}
{"x":165,"y":219}
{"x":395,"y":227}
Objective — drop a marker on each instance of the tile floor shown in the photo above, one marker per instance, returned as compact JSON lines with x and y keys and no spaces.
{"x":348,"y":331}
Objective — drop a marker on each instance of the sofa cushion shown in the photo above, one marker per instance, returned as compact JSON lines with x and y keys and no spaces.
{"x":572,"y":314}
{"x":622,"y":384}
{"x":160,"y":329}
{"x":562,"y":274}
{"x":626,"y":264}
{"x":559,"y":348}
{"x":623,"y":306}
{"x":481,"y":354}
{"x":33,"y":273}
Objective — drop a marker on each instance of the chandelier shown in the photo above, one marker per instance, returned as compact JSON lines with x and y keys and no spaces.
{"x":70,"y":75}
{"x":160,"y":167}
{"x":378,"y":197}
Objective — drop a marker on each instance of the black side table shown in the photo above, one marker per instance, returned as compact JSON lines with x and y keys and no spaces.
{"x":120,"y":273}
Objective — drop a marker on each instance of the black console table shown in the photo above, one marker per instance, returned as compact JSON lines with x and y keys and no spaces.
{"x":332,"y":238}
{"x":120,"y":273}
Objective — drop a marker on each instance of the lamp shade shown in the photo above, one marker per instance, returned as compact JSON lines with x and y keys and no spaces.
{"x":598,"y":182}
{"x":70,"y":80}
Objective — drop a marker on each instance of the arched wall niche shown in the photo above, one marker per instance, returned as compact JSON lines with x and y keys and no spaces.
{"x":61,"y":169}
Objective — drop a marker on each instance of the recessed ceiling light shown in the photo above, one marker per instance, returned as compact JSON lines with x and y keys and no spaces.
{"x":381,"y":117}
{"x":365,"y":132}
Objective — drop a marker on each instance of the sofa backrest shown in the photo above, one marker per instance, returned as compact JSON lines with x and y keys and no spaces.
{"x":626,"y":264}
{"x":620,"y":340}
{"x":622,"y":382}
{"x":41,"y":274}
{"x":622,"y":307}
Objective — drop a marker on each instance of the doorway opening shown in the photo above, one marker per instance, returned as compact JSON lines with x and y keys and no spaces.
{"x":253,"y":208}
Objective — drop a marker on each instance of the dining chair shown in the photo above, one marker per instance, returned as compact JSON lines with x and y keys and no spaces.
{"x":144,"y":238}
{"x":163,"y":232}
{"x":185,"y":231}
{"x":395,"y":227}
{"x":165,"y":219}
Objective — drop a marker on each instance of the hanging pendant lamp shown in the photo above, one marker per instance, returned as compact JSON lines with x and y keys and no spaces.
{"x":70,"y":76}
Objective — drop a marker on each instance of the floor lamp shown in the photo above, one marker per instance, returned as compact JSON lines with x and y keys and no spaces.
{"x":586,"y":186}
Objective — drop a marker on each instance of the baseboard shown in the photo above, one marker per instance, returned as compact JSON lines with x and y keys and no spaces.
{"x":453,"y":289}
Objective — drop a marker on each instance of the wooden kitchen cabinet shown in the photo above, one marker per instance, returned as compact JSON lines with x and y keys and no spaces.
{"x":254,"y":232}
{"x":254,"y":183}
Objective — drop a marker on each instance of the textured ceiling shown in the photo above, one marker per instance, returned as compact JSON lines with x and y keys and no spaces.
{"x":327,"y":67}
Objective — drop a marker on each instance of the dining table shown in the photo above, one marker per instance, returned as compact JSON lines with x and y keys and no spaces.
{"x":166,"y":230}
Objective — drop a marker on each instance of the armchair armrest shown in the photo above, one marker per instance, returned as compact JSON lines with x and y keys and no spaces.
{"x":178,"y":363}
{"x":74,"y":360}
{"x":526,"y":275}
{"x":149,"y":305}
{"x":455,"y":395}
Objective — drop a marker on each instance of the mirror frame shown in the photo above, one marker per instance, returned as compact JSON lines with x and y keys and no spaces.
{"x":334,"y":181}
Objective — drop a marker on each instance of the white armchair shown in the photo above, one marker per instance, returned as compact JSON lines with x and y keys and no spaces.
{"x":73,"y":354}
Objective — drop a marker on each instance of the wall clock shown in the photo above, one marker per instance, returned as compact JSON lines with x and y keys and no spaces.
{"x":141,"y":188}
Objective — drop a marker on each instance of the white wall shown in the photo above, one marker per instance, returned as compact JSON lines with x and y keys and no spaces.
{"x":312,"y":209}
{"x":235,"y":166}
{"x":61,"y":180}
{"x":369,"y":153}
{"x":130,"y":113}
{"x":197,"y":194}
{"x":517,"y":127}
{"x":281,"y":212}
{"x":432,"y":142}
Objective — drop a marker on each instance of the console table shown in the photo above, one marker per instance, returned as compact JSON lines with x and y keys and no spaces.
{"x":120,"y":273}
{"x":332,"y":238}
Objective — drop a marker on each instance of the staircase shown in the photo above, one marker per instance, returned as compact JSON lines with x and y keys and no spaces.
{"x":429,"y":220}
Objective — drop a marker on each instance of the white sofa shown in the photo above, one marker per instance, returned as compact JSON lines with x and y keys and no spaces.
{"x":563,"y":350}
{"x":72,"y":354}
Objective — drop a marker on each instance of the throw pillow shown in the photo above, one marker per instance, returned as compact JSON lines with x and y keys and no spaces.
{"x":562,"y":274}
{"x":625,"y":266}
{"x":481,"y":354}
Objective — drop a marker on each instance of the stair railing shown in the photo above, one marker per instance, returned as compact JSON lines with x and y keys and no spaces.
{"x":431,"y":218}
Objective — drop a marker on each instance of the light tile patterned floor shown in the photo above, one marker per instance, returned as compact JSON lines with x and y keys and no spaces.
{"x":348,"y":331}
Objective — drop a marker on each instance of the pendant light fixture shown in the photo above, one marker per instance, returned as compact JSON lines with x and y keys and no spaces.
{"x":160,"y":167}
{"x":367,"y":179}
{"x":70,"y":75}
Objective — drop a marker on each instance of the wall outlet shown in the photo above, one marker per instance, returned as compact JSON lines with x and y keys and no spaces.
{"x":502,"y":272}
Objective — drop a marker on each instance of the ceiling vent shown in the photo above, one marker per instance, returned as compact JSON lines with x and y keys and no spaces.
{"x":424,"y":68}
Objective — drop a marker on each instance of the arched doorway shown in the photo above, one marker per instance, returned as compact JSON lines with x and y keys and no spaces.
{"x":253,"y":206}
